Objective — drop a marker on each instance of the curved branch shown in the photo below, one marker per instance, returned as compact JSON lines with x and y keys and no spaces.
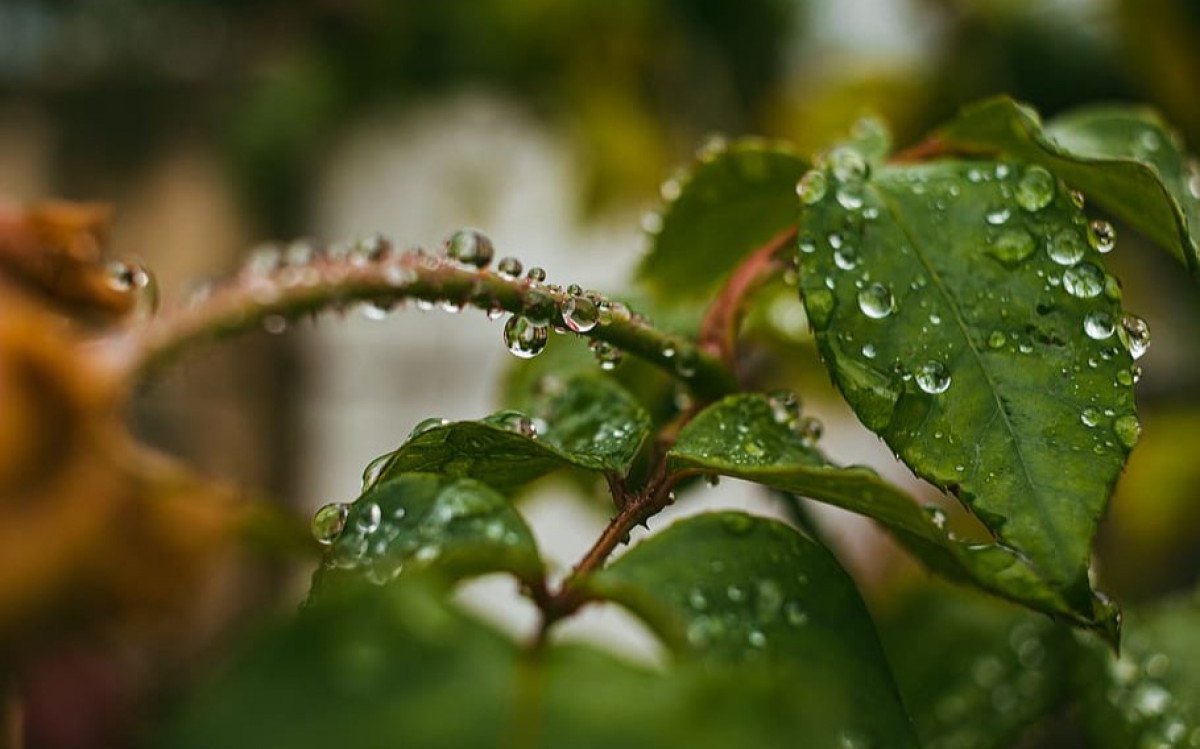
{"x":254,"y":299}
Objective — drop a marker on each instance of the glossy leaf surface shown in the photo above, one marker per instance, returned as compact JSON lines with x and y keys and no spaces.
{"x":1124,"y":158}
{"x":743,"y":437}
{"x":587,"y":422}
{"x":971,"y":326}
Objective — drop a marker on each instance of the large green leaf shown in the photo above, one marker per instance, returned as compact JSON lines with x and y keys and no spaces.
{"x":729,"y":202}
{"x":1149,"y":695}
{"x":975,"y":673}
{"x":588,"y":422}
{"x":421,"y":519}
{"x":1124,"y":158}
{"x":964,"y":318}
{"x":729,"y":588}
{"x":395,"y":666}
{"x":746,"y":437}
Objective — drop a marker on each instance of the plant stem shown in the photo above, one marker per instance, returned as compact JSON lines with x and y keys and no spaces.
{"x":718,"y":332}
{"x":251,"y":300}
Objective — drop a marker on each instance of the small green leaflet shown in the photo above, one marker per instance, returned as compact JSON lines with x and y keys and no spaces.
{"x":588,"y":422}
{"x":459,"y":525}
{"x":755,"y":438}
{"x":1149,"y":695}
{"x":1126,"y":159}
{"x":396,"y":665}
{"x":732,"y":200}
{"x":966,"y":318}
{"x":730,"y":588}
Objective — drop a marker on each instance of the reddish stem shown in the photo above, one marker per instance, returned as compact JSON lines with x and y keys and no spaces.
{"x":930,"y":148}
{"x":718,"y":332}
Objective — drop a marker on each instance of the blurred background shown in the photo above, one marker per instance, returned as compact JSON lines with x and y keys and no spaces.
{"x":212,"y":126}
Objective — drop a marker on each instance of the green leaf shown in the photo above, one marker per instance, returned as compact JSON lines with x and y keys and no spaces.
{"x":948,"y":325}
{"x":395,"y":665}
{"x":1149,"y":695}
{"x":731,"y":201}
{"x":1126,"y":159}
{"x":973,"y":671}
{"x":743,"y":437}
{"x":420,"y":519}
{"x":587,"y":422}
{"x":729,"y":588}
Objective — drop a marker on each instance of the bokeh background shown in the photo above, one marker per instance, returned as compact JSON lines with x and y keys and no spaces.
{"x":212,"y":126}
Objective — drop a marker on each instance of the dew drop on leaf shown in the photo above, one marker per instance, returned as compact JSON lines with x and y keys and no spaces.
{"x":328,"y":522}
{"x":1035,"y":189}
{"x":470,"y":247}
{"x":785,"y":406}
{"x":1083,"y":281}
{"x":1090,"y":417}
{"x":876,"y":301}
{"x":847,"y":164}
{"x":998,"y":216}
{"x":1066,"y":247}
{"x":607,"y":355}
{"x":1012,"y":246}
{"x":524,"y":338}
{"x":1127,"y":430}
{"x":536,"y":274}
{"x":1135,"y":335}
{"x":933,"y":378}
{"x":820,"y":307}
{"x":1098,"y":325}
{"x":1102,"y":236}
{"x":812,"y":187}
{"x":426,"y":425}
{"x":368,"y":519}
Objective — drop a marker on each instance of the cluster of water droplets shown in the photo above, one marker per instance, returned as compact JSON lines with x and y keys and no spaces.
{"x":786,"y":410}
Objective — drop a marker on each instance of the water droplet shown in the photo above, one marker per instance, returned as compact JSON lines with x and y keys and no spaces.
{"x":847,"y":164}
{"x":328,"y":522}
{"x":812,"y":187}
{"x":608,"y":355}
{"x":426,"y":425}
{"x":998,"y":215}
{"x":368,"y":519}
{"x":697,"y":600}
{"x":524,"y":338}
{"x":470,"y":247}
{"x":1035,"y":189}
{"x":733,"y":592}
{"x":868,"y":350}
{"x":1066,"y":247}
{"x":536,"y":274}
{"x":795,"y":614}
{"x":845,"y":256}
{"x":933,"y":378}
{"x":580,"y":314}
{"x":275,"y":324}
{"x":515,"y":422}
{"x":937,"y":515}
{"x":1083,"y":281}
{"x":876,"y":301}
{"x":996,"y":339}
{"x":1135,"y":335}
{"x":1098,"y":325}
{"x":756,"y":639}
{"x":819,"y":303}
{"x":809,"y":430}
{"x":509,"y":268}
{"x":1090,"y":417}
{"x":1012,"y":246}
{"x":850,"y":196}
{"x":1102,"y":236}
{"x":785,"y":406}
{"x":1128,"y":429}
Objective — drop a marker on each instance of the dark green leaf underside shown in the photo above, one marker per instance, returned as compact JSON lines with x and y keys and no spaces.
{"x":418,"y":520}
{"x":1126,"y":159}
{"x":740,"y":437}
{"x":588,"y":422}
{"x":396,"y":666}
{"x":979,"y":374}
{"x":731,"y":201}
